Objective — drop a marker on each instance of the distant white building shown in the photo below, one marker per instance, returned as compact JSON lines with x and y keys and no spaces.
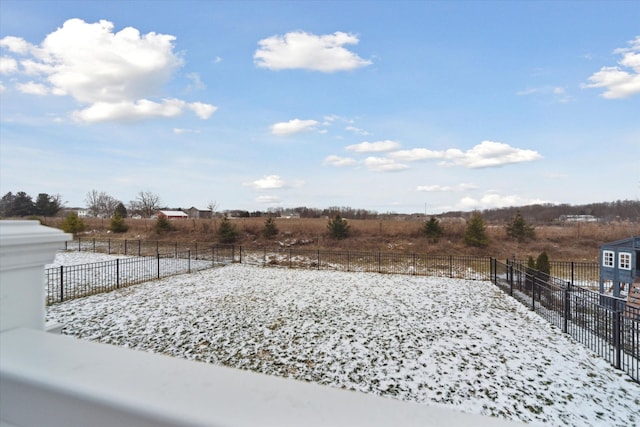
{"x":577,"y":218}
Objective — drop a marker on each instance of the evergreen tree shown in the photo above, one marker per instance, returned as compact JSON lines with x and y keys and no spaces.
{"x":270,"y":229}
{"x":22,"y":205}
{"x":73,"y":224}
{"x":338,"y":227}
{"x":117,"y":224}
{"x":542,"y":263}
{"x":476,"y":234}
{"x":121,"y":210}
{"x":6,"y":204}
{"x":519,"y":229}
{"x":47,"y":205}
{"x":432,"y":230}
{"x":226,"y":231}
{"x":162,"y":225}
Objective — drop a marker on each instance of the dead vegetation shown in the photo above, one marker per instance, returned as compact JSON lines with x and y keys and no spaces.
{"x":569,"y":242}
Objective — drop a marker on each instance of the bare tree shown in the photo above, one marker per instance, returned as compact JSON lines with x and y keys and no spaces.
{"x":213,"y":207}
{"x":101,"y":204}
{"x":147,"y":203}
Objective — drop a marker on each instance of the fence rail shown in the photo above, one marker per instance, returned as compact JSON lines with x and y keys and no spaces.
{"x":600,"y":322}
{"x":76,"y":281}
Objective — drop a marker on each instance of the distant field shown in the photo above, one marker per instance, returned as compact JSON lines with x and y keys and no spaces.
{"x":571,"y":242}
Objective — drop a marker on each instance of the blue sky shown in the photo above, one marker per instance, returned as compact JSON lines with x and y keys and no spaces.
{"x":386,"y":106}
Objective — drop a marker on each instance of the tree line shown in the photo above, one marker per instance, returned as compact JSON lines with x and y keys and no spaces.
{"x":23,"y":205}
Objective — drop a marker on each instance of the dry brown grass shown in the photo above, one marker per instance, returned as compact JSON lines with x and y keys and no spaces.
{"x":572,"y":242}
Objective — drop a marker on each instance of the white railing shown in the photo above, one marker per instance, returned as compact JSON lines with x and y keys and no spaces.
{"x":54,"y":380}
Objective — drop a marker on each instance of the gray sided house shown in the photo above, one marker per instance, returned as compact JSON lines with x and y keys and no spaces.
{"x":620,"y":265}
{"x":196,"y":213}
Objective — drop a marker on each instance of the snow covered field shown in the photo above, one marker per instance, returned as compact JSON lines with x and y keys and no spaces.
{"x":459,"y":343}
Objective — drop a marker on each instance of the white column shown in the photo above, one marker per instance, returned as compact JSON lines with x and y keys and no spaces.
{"x":25,"y":248}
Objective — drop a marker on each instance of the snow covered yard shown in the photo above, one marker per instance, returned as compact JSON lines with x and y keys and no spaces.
{"x":459,"y":343}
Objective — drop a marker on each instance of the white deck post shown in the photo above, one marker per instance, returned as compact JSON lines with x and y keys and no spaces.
{"x":25,"y":248}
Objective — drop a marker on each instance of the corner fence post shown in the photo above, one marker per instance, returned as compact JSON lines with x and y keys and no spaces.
{"x":617,"y":336}
{"x":511,"y":279}
{"x":117,"y":273}
{"x":567,"y":308}
{"x":61,"y":283}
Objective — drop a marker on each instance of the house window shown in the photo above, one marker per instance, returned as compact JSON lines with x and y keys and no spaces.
{"x":607,"y":259}
{"x":624,"y":261}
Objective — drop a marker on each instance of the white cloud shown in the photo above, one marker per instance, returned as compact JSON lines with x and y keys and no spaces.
{"x":269,"y":182}
{"x":196,"y":82}
{"x":357,"y":131}
{"x":373,"y":147}
{"x":113,"y":75}
{"x":557,"y":92}
{"x":381,"y":164}
{"x":8,"y":65}
{"x":180,"y":131}
{"x":32,"y":88}
{"x":204,"y":111}
{"x":494,"y":200}
{"x":301,"y":50}
{"x":2,"y":88}
{"x":129,"y":111}
{"x":446,"y":188}
{"x":618,"y":82}
{"x":339,"y":161}
{"x":484,"y":155}
{"x":292,"y":126}
{"x":16,"y":45}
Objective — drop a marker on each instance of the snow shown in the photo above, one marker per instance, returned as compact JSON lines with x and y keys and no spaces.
{"x":459,"y":343}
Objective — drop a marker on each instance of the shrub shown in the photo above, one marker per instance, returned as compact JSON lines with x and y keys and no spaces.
{"x":270,"y":229}
{"x":73,"y":224}
{"x":338,"y":227}
{"x":542,"y":263}
{"x":162,"y":225}
{"x":117,"y":224}
{"x":432,"y":230}
{"x":519,"y":229}
{"x":476,"y":234}
{"x":226,"y":232}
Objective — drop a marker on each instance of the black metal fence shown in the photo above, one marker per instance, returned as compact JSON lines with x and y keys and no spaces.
{"x":602,"y":323}
{"x":76,"y":281}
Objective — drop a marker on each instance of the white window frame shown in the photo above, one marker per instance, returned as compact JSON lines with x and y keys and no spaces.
{"x":624,"y":260}
{"x":608,"y":259}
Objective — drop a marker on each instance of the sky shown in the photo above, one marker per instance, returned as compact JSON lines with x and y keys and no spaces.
{"x":408,"y":107}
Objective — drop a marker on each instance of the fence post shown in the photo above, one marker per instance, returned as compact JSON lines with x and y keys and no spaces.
{"x":125,"y":246}
{"x":213,"y":256}
{"x":139,"y":247}
{"x":348,"y":260}
{"x":617,"y":336}
{"x":117,"y":273}
{"x":240,"y":260}
{"x":158,"y":257}
{"x":79,"y":249}
{"x":567,"y":308}
{"x":572,"y":272}
{"x":290,"y":250}
{"x":533,"y":292}
{"x":196,"y":249}
{"x":189,"y":261}
{"x":379,"y":261}
{"x":176,"y":250}
{"x":318,"y":259}
{"x":61,"y":283}
{"x":450,"y":266}
{"x":414,"y":263}
{"x":94,"y":245}
{"x":264,"y":257}
{"x":109,"y":246}
{"x":510,"y":279}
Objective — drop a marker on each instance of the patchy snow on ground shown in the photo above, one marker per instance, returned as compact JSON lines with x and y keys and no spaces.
{"x":463,"y":344}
